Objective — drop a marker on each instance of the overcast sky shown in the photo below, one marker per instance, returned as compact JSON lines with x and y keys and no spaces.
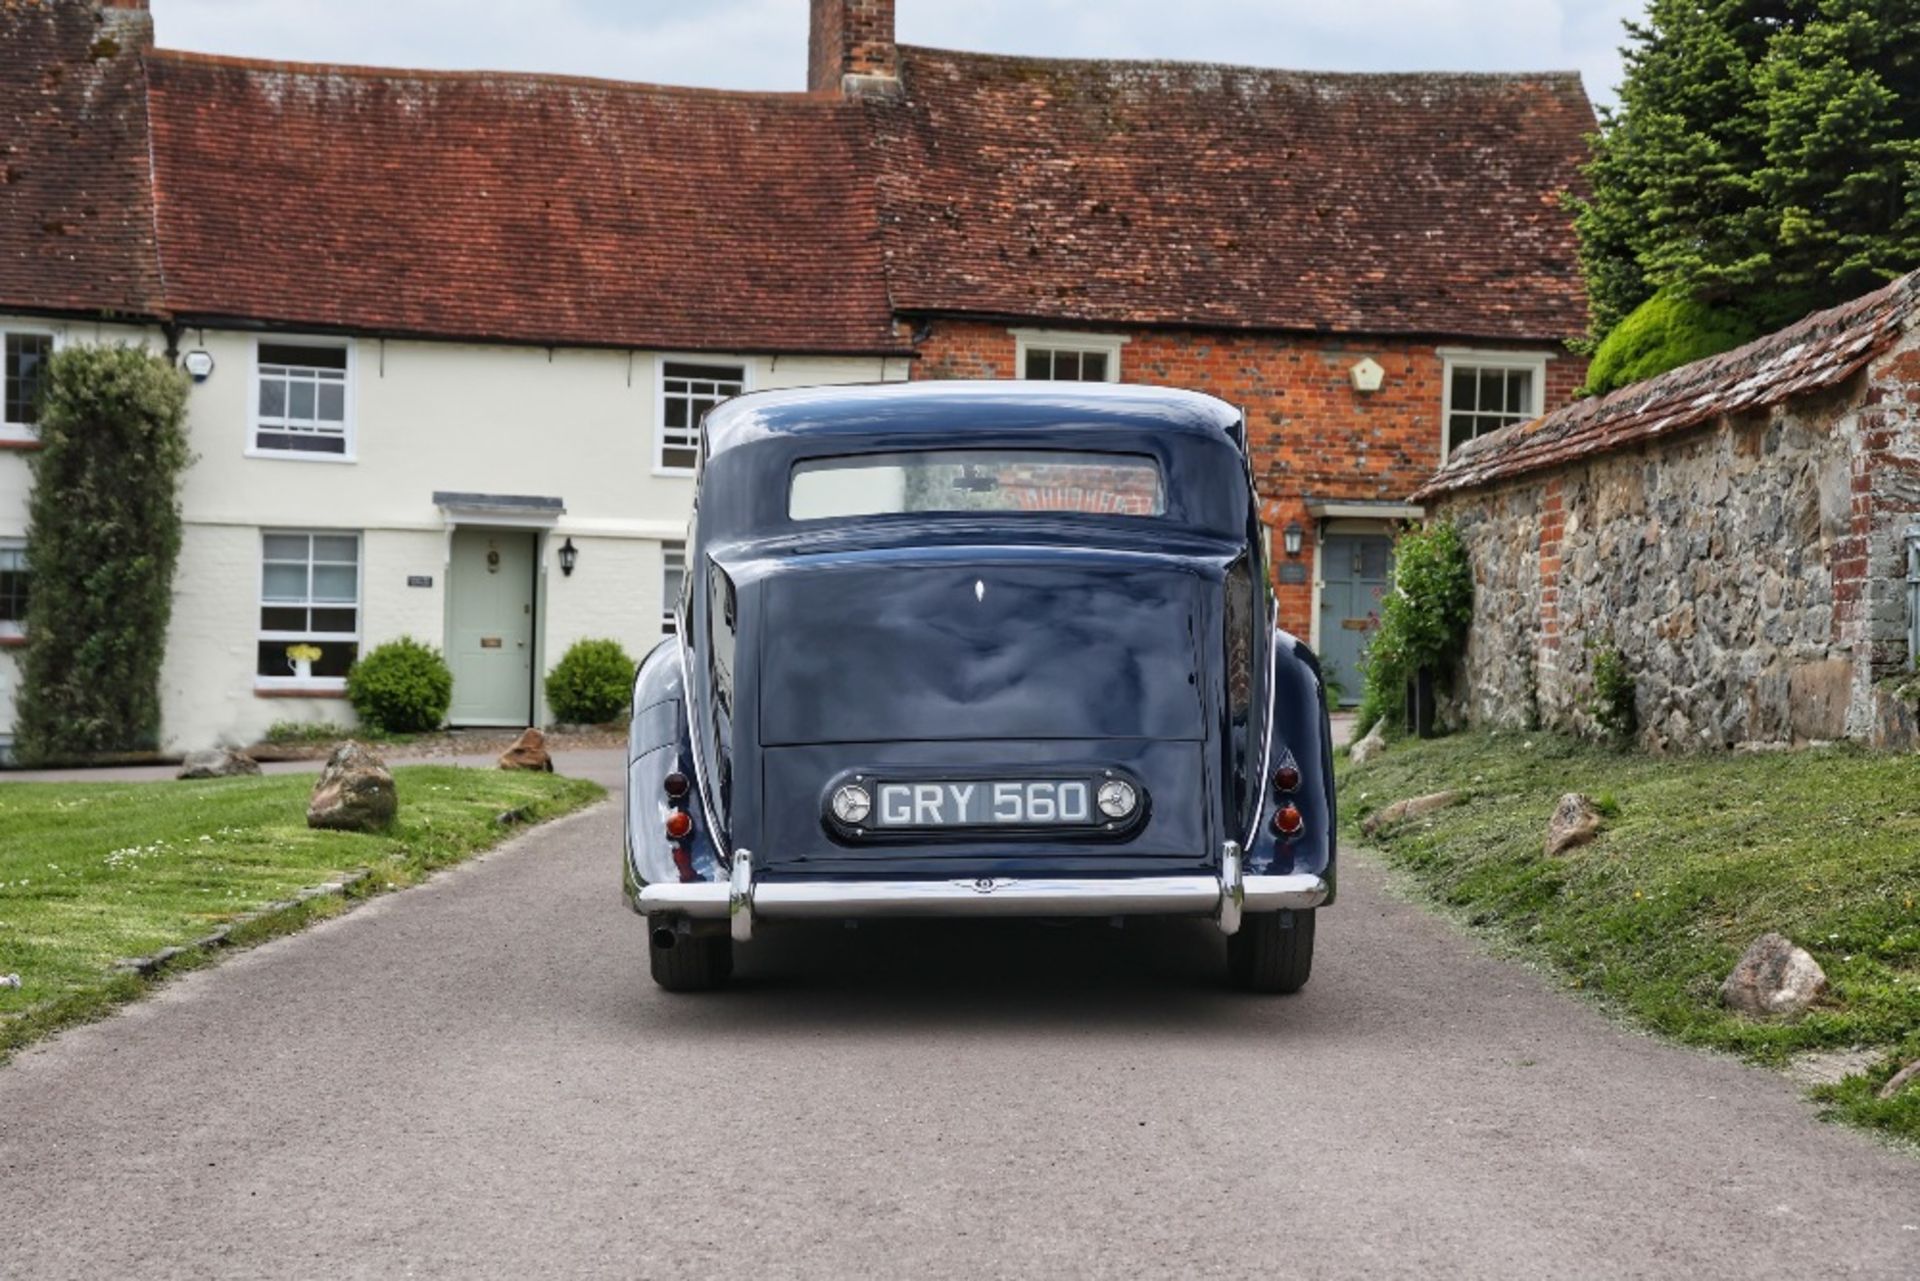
{"x":761,"y":44}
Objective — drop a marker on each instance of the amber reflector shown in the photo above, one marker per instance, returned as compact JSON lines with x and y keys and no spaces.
{"x":679,"y":823}
{"x":1287,"y":820}
{"x":1286,"y":778}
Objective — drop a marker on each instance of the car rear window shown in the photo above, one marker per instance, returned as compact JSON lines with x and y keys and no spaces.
{"x":976,"y":480}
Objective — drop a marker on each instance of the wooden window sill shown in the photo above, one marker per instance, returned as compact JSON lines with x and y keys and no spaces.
{"x":22,"y":443}
{"x":283,"y":691}
{"x":10,"y":641}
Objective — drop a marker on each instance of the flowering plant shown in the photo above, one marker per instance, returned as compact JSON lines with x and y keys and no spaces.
{"x":303,"y":653}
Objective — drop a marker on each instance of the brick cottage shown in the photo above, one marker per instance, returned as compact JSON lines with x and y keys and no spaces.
{"x":446,"y":322}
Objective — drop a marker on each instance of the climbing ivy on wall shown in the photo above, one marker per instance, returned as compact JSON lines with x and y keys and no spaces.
{"x":103,"y":536}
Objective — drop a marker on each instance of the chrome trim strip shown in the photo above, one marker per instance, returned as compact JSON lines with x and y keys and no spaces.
{"x":1260,"y":783}
{"x":985,"y":896}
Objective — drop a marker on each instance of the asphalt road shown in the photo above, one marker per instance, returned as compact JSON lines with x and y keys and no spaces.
{"x":475,"y":1078}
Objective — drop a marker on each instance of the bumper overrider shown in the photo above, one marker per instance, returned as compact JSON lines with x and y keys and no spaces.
{"x":1224,"y":897}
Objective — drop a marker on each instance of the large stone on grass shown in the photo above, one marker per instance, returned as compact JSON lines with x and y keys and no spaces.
{"x":529,"y":751}
{"x":1401,"y":811}
{"x":218,"y":762}
{"x":1576,"y":820}
{"x":355,"y":792}
{"x":1774,"y":979}
{"x":1371,"y":746}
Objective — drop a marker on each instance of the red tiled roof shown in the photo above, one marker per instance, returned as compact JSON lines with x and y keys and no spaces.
{"x":541,"y":209}
{"x":1171,"y":193}
{"x":76,"y":218}
{"x":530,"y":208}
{"x":1822,"y":350}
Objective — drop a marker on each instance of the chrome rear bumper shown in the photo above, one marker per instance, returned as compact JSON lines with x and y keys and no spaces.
{"x":1224,"y":897}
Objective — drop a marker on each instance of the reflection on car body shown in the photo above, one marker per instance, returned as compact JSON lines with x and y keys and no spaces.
{"x":977,"y":649}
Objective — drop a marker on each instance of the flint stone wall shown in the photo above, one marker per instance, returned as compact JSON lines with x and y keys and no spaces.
{"x":1751,"y":571}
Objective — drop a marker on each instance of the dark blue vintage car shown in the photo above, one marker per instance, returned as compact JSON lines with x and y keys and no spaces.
{"x":978,"y":649}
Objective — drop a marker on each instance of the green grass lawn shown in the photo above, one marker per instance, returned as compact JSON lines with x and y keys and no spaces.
{"x":1699,"y":856}
{"x":95,"y":873}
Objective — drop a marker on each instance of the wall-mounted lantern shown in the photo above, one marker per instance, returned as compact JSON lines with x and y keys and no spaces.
{"x":1366,"y":374}
{"x":569,"y":557}
{"x":1292,"y":537}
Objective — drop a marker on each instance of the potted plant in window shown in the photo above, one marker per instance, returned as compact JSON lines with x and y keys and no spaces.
{"x":301,"y":659}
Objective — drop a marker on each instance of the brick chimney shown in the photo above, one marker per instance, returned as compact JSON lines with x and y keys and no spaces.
{"x":850,"y":47}
{"x":127,"y":21}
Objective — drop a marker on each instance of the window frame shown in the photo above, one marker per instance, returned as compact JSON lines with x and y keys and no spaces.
{"x":660,"y":363}
{"x":1027,"y":340}
{"x":261,"y":634}
{"x":14,"y":629}
{"x":670,"y":602}
{"x":1474,"y":358}
{"x":351,"y":435}
{"x":11,"y":432}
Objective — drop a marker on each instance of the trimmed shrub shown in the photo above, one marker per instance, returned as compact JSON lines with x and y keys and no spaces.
{"x":591,"y":684}
{"x":1423,"y":621}
{"x":103,"y":537}
{"x":1665,"y":332}
{"x":401,"y":687}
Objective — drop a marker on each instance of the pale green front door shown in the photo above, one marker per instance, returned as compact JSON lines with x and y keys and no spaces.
{"x":490,"y":626}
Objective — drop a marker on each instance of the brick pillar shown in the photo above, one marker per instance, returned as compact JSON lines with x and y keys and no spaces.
{"x":1553,"y":523}
{"x":850,"y":47}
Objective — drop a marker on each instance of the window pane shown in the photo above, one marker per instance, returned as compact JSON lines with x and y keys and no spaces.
{"x":285,"y":582}
{"x":25,"y":364}
{"x":13,"y":584}
{"x":336,"y":621}
{"x":1093,"y":366}
{"x":1520,"y":391}
{"x":732,"y":376}
{"x":299,"y":400}
{"x":1460,"y":430}
{"x":952,"y":480}
{"x":333,"y":402}
{"x":336,"y":547}
{"x":336,"y":583}
{"x":680,"y":458}
{"x":1463,"y":389}
{"x":676,"y":412}
{"x":335,"y":658}
{"x":273,"y":398}
{"x":1039,"y":365}
{"x":279,"y":618}
{"x":285,"y":546}
{"x":326,"y":356}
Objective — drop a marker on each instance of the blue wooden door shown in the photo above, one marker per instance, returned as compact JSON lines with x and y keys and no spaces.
{"x":1355,"y":572}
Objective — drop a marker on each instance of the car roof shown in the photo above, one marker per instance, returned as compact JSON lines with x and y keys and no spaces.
{"x":847,"y":414}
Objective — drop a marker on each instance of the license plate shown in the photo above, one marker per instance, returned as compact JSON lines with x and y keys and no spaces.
{"x":1034,"y":802}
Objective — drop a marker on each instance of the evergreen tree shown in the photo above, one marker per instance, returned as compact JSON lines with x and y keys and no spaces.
{"x":1764,"y":162}
{"x":1841,"y":97}
{"x":1676,"y":198}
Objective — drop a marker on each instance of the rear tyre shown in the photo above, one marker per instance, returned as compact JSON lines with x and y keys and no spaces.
{"x":695,"y":962}
{"x":1271,"y":951}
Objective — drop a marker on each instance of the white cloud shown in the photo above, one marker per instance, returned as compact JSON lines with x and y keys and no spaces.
{"x":762,"y":44}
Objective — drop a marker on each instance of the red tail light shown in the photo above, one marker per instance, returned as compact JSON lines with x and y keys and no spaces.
{"x":1287,"y":820}
{"x":676,"y":784}
{"x":684,"y":861}
{"x":1286,"y":778}
{"x":679,"y":823}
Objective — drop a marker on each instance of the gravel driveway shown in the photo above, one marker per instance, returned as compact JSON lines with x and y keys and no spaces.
{"x":476,"y":1078}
